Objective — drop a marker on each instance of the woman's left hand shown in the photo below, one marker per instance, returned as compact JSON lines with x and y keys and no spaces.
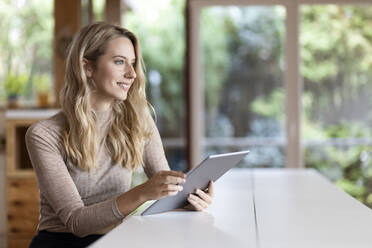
{"x":200,"y":200}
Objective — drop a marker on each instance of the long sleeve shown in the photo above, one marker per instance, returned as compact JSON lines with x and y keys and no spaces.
{"x":59,"y":190}
{"x":154,"y":156}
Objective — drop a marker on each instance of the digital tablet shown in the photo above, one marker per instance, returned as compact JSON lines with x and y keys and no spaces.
{"x":210,"y":169}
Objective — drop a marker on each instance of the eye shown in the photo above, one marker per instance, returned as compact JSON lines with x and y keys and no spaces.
{"x":134,"y":64}
{"x":119,"y":62}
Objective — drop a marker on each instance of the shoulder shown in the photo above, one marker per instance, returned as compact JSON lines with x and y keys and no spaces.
{"x":51,"y":128}
{"x":151,"y":127}
{"x":153,"y":134}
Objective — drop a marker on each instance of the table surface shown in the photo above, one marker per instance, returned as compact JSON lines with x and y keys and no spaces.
{"x":24,"y":114}
{"x":257,"y":208}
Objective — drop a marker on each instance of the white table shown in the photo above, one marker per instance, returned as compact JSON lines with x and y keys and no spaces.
{"x":257,"y":208}
{"x":301,"y":208}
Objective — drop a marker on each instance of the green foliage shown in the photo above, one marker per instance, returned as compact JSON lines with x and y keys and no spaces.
{"x":242,"y":53}
{"x":350,"y":168}
{"x":358,"y":191}
{"x":272,"y":106}
{"x":329,"y":35}
{"x":42,"y":83}
{"x":336,"y":62}
{"x":215,"y":55}
{"x":345,"y":130}
{"x":161,"y":35}
{"x":98,"y":10}
{"x":15,"y":84}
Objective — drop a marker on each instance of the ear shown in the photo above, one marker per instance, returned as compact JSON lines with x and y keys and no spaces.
{"x":87,"y":65}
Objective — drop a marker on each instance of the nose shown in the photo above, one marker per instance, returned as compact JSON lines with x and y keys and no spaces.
{"x":130,"y":72}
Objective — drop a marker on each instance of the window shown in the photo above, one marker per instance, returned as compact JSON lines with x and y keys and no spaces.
{"x":25,"y":49}
{"x":321,"y":71}
{"x":243,"y":80}
{"x":161,"y":35}
{"x":336,"y":46}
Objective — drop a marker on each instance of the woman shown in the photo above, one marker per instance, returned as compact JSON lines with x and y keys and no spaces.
{"x":84,"y":155}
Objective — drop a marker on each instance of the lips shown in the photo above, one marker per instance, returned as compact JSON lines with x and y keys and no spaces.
{"x":123,"y":85}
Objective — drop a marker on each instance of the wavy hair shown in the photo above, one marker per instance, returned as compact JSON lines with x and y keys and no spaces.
{"x":129,"y":123}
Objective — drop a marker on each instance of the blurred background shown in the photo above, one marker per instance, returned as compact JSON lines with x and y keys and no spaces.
{"x":242,"y":51}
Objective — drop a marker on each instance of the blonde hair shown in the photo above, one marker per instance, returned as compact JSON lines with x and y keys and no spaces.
{"x":130,"y":120}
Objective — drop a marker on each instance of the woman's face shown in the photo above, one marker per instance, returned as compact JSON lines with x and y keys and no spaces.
{"x":113,"y":73}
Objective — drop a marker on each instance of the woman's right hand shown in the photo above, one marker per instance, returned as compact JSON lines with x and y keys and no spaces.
{"x":163,"y":183}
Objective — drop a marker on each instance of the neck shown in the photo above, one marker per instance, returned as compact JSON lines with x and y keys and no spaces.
{"x":100,"y":104}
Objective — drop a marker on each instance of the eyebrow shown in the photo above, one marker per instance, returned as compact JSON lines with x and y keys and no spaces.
{"x":121,"y":56}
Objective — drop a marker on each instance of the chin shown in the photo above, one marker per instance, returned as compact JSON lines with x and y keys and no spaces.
{"x":122,"y":97}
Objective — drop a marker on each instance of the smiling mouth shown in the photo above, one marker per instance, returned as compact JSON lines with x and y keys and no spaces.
{"x":124,"y":86}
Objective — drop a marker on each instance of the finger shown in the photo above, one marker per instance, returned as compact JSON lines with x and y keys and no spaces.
{"x":163,"y":194}
{"x":198,"y":202}
{"x":173,"y":173}
{"x":204,"y":196}
{"x":211,"y":188}
{"x":174,"y":180}
{"x":171,"y":193}
{"x":172,"y":187}
{"x":190,"y":207}
{"x":194,"y":205}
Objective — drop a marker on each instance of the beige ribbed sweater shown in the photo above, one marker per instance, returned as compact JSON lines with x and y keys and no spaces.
{"x":75,"y":201}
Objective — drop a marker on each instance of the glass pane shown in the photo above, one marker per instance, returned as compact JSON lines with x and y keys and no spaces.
{"x":160,"y":32}
{"x":26,"y":51}
{"x":242,"y":59}
{"x":336,"y":46}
